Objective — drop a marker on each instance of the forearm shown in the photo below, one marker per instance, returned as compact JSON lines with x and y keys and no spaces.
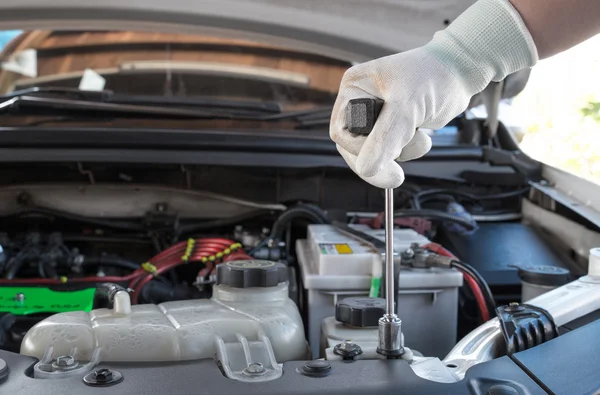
{"x":557,"y":25}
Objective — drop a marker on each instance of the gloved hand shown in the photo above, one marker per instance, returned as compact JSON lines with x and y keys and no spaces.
{"x":428,"y":87}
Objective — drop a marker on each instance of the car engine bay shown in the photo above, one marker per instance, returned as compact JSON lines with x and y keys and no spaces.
{"x":244,"y":273}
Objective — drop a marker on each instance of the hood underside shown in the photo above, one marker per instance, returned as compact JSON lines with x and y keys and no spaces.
{"x":354,"y":30}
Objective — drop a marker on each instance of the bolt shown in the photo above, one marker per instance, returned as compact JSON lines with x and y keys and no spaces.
{"x":347,"y":350}
{"x":20,"y":297}
{"x":254,"y":369}
{"x":513,"y":307}
{"x":103,"y":374}
{"x":65,"y":360}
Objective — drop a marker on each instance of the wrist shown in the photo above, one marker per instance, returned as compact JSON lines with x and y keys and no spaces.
{"x":486,"y":43}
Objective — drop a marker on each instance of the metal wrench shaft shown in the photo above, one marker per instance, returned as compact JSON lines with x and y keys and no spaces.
{"x":389,"y":251}
{"x":361,"y":117}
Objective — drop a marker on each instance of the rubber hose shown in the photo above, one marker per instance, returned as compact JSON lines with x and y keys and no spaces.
{"x":291,"y":214}
{"x":317,"y":210}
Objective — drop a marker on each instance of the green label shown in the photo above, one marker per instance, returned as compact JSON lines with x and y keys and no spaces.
{"x":30,"y":300}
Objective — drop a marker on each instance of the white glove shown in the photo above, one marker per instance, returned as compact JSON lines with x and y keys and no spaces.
{"x":428,"y":87}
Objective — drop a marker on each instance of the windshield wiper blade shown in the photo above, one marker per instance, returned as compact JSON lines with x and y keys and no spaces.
{"x":73,"y":93}
{"x":202,"y":102}
{"x":35,"y":104}
{"x":37,"y":101}
{"x":245,"y":106}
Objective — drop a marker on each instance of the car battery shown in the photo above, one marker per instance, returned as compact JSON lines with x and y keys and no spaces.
{"x":335,"y":266}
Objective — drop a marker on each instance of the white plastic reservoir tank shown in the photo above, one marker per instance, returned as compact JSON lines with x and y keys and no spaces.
{"x":250,"y":300}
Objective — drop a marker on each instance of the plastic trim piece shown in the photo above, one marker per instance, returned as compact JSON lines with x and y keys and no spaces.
{"x":525,"y":326}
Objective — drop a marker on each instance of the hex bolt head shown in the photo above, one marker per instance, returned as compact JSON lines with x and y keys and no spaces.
{"x":65,"y":360}
{"x":103,"y":374}
{"x":103,"y":378}
{"x":347,"y":350}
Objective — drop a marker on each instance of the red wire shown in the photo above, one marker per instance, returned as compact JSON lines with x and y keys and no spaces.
{"x":164,"y":261}
{"x":202,"y":248}
{"x":438,"y":249}
{"x":485,"y":314}
{"x":473,"y":286}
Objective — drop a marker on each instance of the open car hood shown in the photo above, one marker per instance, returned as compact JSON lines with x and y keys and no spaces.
{"x":351,"y":30}
{"x":355,"y":30}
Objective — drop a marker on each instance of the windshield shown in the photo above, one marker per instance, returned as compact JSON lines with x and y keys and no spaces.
{"x":158,"y":69}
{"x":168,"y":65}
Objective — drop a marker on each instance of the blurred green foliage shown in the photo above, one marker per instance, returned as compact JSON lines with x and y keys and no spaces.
{"x":592,"y":110}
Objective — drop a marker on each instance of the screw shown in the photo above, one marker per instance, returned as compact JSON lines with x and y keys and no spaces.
{"x":20,"y":297}
{"x":65,"y":360}
{"x":103,"y":374}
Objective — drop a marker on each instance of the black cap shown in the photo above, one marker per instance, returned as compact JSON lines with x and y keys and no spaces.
{"x":544,"y":275}
{"x":251,"y":273}
{"x":360,"y":312}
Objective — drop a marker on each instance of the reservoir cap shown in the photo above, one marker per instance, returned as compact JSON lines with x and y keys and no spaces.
{"x":251,"y":273}
{"x":544,"y":275}
{"x":360,"y":312}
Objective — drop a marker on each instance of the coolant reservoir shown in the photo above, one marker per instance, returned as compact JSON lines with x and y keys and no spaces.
{"x":250,"y":301}
{"x":355,"y":320}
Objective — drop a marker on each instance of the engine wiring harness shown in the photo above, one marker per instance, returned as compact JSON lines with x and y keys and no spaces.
{"x":434,"y":255}
{"x":208,"y":251}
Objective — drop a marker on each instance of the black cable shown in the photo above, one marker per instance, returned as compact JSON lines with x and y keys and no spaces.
{"x":110,"y":261}
{"x":416,"y":200}
{"x":46,"y":270}
{"x":504,"y":195}
{"x":221,"y":222}
{"x":307,"y":211}
{"x":483,"y":285}
{"x":436,"y":215}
